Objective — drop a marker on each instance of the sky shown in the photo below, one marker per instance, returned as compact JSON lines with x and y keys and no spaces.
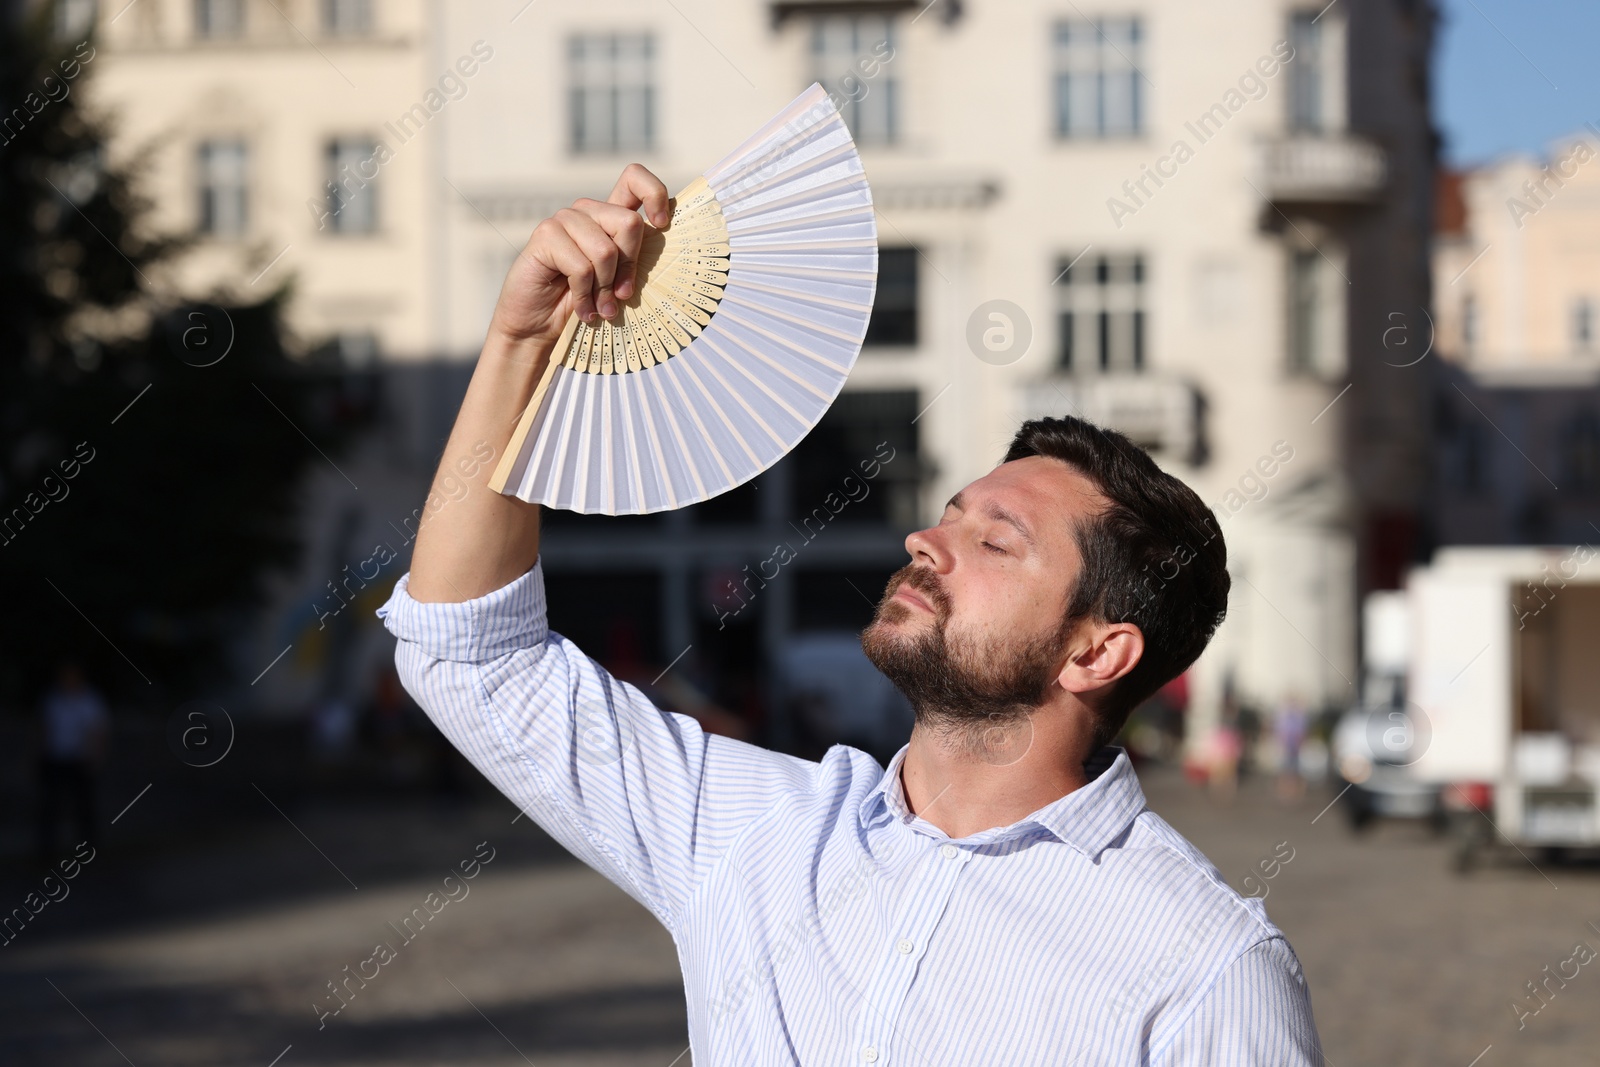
{"x":1512,"y":75}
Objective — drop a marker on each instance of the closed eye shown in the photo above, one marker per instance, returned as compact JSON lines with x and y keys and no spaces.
{"x":992,"y":547}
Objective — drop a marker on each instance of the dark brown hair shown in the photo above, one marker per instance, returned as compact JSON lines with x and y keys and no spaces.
{"x":1154,"y":557}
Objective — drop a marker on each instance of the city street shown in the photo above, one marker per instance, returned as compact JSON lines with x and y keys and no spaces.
{"x":222,"y":950}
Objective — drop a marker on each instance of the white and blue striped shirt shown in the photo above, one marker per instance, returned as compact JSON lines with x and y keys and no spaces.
{"x":818,"y":921}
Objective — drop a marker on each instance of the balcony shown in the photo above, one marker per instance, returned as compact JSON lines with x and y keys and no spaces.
{"x":1159,"y":413}
{"x":1322,"y":169}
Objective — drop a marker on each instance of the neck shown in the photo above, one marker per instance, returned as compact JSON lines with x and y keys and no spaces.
{"x":968,"y":780}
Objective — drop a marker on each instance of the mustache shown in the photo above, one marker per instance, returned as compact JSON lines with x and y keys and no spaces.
{"x":923,"y":581}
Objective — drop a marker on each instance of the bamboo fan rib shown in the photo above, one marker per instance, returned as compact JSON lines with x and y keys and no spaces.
{"x":751,"y":310}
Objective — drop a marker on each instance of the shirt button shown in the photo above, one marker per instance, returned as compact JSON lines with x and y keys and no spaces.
{"x":947,"y":851}
{"x":904,"y":947}
{"x":870,"y":1054}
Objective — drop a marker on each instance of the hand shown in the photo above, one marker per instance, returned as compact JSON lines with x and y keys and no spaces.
{"x":581,"y":260}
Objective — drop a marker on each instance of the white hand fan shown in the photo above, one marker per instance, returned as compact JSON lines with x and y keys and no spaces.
{"x":750,"y":311}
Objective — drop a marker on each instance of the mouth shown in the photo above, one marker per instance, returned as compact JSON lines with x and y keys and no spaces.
{"x":910,"y":596}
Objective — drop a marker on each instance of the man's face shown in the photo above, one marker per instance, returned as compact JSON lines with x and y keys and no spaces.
{"x":972,"y":629}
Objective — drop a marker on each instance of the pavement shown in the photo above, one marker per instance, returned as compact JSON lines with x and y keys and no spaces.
{"x":219,"y":947}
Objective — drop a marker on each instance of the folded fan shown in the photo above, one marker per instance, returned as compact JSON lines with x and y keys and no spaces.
{"x":750,"y":309}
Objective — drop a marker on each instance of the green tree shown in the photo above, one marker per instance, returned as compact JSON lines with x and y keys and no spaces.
{"x":150,"y":449}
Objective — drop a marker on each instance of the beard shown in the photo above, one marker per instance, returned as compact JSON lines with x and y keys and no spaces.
{"x":957,"y":684}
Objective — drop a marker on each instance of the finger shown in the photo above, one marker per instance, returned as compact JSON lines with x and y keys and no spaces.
{"x":626,"y":228}
{"x":602,"y":251}
{"x":638,"y":187}
{"x":561,"y":253}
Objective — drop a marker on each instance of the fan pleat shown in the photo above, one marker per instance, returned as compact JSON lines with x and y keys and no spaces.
{"x":736,"y":331}
{"x":694,"y":487}
{"x":751,"y":418}
{"x":707,"y":394}
{"x":760,"y":409}
{"x":732,"y":353}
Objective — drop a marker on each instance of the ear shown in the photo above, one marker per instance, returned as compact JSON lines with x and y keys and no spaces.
{"x":1103,"y":653}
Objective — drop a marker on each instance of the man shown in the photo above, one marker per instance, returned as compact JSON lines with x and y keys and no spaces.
{"x":74,"y":746}
{"x":1000,"y":893}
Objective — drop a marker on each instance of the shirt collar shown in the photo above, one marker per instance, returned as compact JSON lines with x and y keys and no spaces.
{"x":1089,"y":819}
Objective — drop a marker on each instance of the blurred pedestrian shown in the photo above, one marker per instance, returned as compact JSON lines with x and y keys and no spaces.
{"x":1289,"y":728}
{"x":74,"y":749}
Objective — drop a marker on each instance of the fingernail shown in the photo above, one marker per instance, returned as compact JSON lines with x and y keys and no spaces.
{"x":661,"y":220}
{"x":609,"y":308}
{"x":624,"y":290}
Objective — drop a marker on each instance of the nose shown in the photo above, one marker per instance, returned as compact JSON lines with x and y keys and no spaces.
{"x":927,"y":548}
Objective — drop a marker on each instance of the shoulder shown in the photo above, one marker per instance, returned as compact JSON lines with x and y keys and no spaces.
{"x":1179,"y":876}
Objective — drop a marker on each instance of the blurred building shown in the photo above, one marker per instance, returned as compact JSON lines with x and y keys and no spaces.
{"x":1517,"y":283}
{"x":1193,"y":223}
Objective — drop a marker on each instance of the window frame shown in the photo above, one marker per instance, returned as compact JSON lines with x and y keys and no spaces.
{"x":1102,"y":313}
{"x":644,"y":137}
{"x":1064,"y":74}
{"x":368,"y":221}
{"x":208,"y":191}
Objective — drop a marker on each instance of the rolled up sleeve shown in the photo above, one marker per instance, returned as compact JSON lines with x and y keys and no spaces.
{"x":643,"y":796}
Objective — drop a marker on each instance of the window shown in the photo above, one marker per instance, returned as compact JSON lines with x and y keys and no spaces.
{"x":219,"y":18}
{"x":347,"y":18}
{"x":1470,"y":327}
{"x":1583,"y":324}
{"x":1097,"y":78}
{"x":612,"y":94}
{"x":1315,"y":315}
{"x":850,"y":57}
{"x":224,"y":167}
{"x":894,"y":307}
{"x":352,"y":196}
{"x":1581,"y":453}
{"x":74,"y":19}
{"x":1305,"y":73}
{"x":1100,"y":313}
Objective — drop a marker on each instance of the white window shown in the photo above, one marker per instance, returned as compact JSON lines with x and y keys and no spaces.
{"x":1315,"y":315}
{"x":1583,"y":324}
{"x":1097,"y":91}
{"x":1316,"y":73}
{"x":347,"y":18}
{"x":224,"y":169}
{"x":611,"y":92}
{"x":1470,"y":326}
{"x":1100,"y":313}
{"x":74,"y":19}
{"x":851,"y":57}
{"x":219,"y":18}
{"x":352,"y":197}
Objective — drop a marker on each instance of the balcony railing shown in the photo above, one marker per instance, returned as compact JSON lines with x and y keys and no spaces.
{"x":1322,"y":168}
{"x":1159,"y":413}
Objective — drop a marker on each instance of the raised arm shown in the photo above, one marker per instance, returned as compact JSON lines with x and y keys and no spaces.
{"x":582,"y":259}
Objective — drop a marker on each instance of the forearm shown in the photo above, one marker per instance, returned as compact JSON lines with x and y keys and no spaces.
{"x":481,"y":539}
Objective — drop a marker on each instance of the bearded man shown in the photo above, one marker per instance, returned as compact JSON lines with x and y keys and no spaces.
{"x":999,"y":893}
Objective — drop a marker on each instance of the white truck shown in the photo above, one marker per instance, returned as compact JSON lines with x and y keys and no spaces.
{"x":1502,"y":692}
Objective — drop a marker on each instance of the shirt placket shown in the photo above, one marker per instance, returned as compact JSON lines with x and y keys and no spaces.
{"x":904,"y":945}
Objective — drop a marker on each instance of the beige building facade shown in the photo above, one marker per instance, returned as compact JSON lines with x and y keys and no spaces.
{"x":1189,"y":222}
